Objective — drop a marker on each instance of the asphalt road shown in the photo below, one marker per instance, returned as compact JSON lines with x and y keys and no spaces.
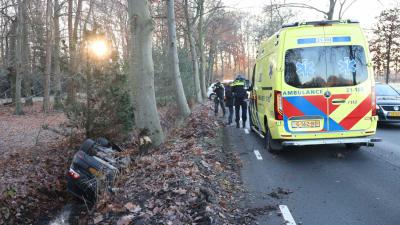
{"x":326,"y":185}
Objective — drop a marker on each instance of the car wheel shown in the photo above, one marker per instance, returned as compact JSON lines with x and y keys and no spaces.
{"x":270,"y":144}
{"x":212,"y":96}
{"x":251,"y":119}
{"x":353,"y":147}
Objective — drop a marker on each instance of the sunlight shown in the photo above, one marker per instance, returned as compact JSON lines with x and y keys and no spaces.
{"x":99,"y":48}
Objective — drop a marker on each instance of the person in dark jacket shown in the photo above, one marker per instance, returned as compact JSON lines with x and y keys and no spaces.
{"x":219,"y":97}
{"x":229,"y":101}
{"x":240,"y":95}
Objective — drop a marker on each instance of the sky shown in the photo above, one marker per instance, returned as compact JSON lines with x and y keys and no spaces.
{"x":365,"y":11}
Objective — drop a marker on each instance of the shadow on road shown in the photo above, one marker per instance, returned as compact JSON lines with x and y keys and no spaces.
{"x":299,"y":155}
{"x":389,"y":126}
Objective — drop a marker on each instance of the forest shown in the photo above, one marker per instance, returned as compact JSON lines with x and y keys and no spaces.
{"x":129,"y":69}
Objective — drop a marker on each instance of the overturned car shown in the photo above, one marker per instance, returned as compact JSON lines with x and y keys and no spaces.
{"x":94,"y":168}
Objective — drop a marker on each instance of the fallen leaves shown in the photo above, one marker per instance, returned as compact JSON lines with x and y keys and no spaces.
{"x":181,"y":182}
{"x":125,"y":220}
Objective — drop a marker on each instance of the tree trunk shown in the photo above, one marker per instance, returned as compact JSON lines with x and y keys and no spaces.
{"x":211,"y":61}
{"x":201,"y":49}
{"x":222,"y":65}
{"x":26,"y":78}
{"x":174,"y":61}
{"x":193,"y":53}
{"x":56,"y":56}
{"x":19,"y":62}
{"x":49,"y":47}
{"x":388,"y":59}
{"x":146,"y":116}
{"x":332,"y":4}
{"x":73,"y":38}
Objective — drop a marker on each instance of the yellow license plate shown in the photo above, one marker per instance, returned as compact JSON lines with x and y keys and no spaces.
{"x":394,"y":114}
{"x":306,"y":124}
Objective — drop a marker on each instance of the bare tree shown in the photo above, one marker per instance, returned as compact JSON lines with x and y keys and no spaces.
{"x":142,"y":69}
{"x":328,"y":13}
{"x":49,"y":48}
{"x":200,"y":12}
{"x":387,"y":41}
{"x":73,"y":38}
{"x":174,"y":61}
{"x":56,"y":56}
{"x":193,"y":52}
{"x":19,"y":59}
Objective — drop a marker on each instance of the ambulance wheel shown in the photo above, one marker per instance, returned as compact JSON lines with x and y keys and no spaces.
{"x":251,"y":120}
{"x":353,"y":147}
{"x":271,"y":145}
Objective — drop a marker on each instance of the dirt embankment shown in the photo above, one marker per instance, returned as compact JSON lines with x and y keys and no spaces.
{"x":191,"y":179}
{"x":33,"y":163}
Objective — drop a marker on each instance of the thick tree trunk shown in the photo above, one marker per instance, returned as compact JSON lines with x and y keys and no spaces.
{"x":146,"y":116}
{"x":49,"y":48}
{"x":56,"y":56}
{"x":73,"y":38}
{"x":26,"y":78}
{"x":11,"y":57}
{"x":174,"y":61}
{"x":201,"y":49}
{"x":193,"y":53}
{"x":19,"y":62}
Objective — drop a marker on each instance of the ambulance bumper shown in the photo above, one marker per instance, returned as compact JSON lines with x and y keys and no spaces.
{"x":362,"y":141}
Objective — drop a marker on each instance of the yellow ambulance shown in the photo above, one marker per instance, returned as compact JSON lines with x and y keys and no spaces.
{"x":313,"y":84}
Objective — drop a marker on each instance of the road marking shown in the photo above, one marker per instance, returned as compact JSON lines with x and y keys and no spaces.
{"x":287,"y":216}
{"x":258,"y":155}
{"x":246,"y":131}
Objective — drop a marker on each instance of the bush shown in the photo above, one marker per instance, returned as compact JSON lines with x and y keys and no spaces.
{"x":106,"y":108}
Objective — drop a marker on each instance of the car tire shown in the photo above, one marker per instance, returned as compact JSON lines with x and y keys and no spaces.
{"x":87,"y":147}
{"x":271,"y":145}
{"x":353,"y":147}
{"x":212,"y":96}
{"x":103,"y":142}
{"x":250,"y":119}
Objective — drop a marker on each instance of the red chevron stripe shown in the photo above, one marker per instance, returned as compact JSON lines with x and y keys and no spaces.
{"x":290,"y":110}
{"x":332,"y":107}
{"x":357,"y":114}
{"x":319,"y":101}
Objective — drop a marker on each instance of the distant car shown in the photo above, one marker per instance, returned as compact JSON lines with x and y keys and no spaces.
{"x":210,"y":91}
{"x":387,"y":103}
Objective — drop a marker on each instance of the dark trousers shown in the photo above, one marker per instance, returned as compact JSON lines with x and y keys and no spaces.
{"x":230,"y":117}
{"x":219,"y":101}
{"x":241,"y":103}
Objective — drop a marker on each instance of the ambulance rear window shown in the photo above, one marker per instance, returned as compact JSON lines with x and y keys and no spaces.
{"x":325,"y":66}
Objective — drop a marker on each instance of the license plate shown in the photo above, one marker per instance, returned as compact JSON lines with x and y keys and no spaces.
{"x":306,"y":124}
{"x":394,"y":114}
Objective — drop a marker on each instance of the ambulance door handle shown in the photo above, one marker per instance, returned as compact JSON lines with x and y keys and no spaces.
{"x":338,"y":101}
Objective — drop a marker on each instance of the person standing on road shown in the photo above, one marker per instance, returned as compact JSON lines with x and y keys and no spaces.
{"x":240,"y":95}
{"x":219,"y":97}
{"x":229,"y":101}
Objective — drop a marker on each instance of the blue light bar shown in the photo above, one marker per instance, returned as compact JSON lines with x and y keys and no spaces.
{"x":304,"y":41}
{"x":342,"y":39}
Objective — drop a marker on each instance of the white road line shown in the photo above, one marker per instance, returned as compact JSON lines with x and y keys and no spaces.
{"x":258,"y":155}
{"x":246,"y":131}
{"x":287,"y":216}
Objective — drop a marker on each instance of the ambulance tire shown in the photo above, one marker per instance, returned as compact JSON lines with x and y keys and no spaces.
{"x":251,"y":120}
{"x":353,"y":147}
{"x":270,"y":144}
